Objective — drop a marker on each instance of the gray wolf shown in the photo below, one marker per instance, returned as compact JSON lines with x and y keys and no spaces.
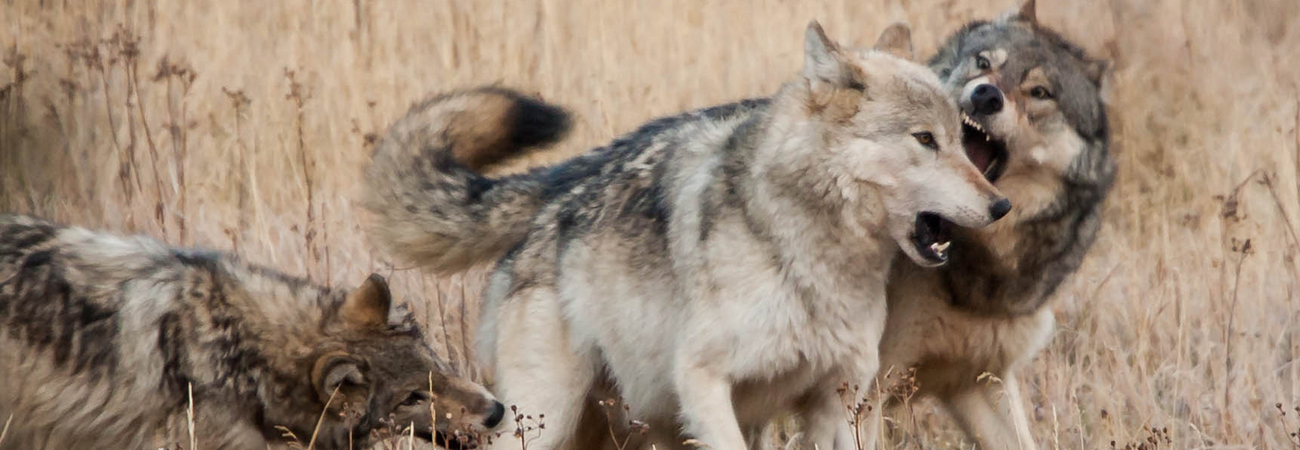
{"x":106,"y":341}
{"x":717,"y":269}
{"x":1035,"y":124}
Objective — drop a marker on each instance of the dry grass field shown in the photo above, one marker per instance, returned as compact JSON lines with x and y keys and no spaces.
{"x":243,"y":126}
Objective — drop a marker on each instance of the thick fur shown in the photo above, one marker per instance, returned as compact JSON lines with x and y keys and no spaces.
{"x":968,"y":327}
{"x":104,"y":341}
{"x":988,"y":310}
{"x":717,"y":267}
{"x":439,"y":211}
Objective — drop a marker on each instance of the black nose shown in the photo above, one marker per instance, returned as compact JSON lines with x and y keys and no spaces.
{"x":1000,"y":208}
{"x":987,"y":99}
{"x":493,"y":418}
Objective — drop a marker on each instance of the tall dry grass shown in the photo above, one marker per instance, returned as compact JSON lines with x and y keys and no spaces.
{"x":244,"y":126}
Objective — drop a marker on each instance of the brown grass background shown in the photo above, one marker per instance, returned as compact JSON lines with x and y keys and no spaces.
{"x":244,"y":126}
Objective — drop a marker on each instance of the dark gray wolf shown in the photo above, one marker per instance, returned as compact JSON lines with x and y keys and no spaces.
{"x":1036,"y":126}
{"x":106,"y":342}
{"x":719,"y":268}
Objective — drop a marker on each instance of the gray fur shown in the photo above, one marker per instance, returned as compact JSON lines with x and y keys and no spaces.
{"x":994,"y":307}
{"x":993,"y":297}
{"x":1063,"y":230}
{"x":720,"y":266}
{"x":102,"y":338}
{"x":434,"y":207}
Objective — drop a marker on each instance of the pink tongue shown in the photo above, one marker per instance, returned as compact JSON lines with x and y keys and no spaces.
{"x":979,"y":155}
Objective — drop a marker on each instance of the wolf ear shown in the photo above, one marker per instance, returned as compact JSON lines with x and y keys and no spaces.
{"x":1027,"y":13}
{"x":339,"y":382}
{"x":822,"y":60}
{"x":368,"y":305}
{"x":896,"y":40}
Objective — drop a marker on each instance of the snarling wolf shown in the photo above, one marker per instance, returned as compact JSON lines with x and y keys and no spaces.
{"x":718,"y":269}
{"x":1035,"y":124}
{"x":109,"y":342}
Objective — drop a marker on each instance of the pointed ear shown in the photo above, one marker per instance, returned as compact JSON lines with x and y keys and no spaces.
{"x":821,"y":57}
{"x":1027,"y":13}
{"x":896,"y":40}
{"x":367,"y":306}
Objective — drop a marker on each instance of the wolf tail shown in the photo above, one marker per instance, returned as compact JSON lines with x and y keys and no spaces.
{"x":433,"y":206}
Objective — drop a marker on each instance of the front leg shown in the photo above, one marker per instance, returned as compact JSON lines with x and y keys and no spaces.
{"x":993,"y":414}
{"x":827,"y":423}
{"x":1014,"y":403}
{"x":707,"y":412}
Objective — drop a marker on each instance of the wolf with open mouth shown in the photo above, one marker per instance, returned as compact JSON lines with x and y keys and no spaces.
{"x":1035,"y":125}
{"x":716,"y":267}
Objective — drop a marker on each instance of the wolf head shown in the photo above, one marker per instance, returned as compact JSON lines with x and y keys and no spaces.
{"x":370,"y":372}
{"x":1035,"y":125}
{"x":890,"y":128}
{"x":1031,"y":107}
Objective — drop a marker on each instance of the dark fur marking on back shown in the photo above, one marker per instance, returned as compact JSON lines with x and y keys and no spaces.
{"x":171,"y":337}
{"x":49,"y":313}
{"x":24,"y":236}
{"x":37,"y":259}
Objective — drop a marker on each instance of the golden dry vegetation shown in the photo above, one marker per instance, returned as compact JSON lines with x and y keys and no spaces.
{"x":244,"y":126}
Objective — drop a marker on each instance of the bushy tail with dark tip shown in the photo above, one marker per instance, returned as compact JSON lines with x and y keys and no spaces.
{"x":434,"y":207}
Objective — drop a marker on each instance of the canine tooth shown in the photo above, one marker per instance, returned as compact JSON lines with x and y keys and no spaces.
{"x":939,"y":248}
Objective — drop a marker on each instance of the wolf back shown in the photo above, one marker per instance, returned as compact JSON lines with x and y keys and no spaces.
{"x":107,"y":341}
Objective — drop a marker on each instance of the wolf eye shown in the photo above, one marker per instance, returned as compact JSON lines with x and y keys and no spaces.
{"x":415,"y":398}
{"x":926,"y":139}
{"x":982,"y":63}
{"x":1040,"y":93}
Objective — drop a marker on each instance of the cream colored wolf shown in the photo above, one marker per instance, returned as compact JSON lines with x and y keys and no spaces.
{"x":1035,"y":125}
{"x":718,"y":269}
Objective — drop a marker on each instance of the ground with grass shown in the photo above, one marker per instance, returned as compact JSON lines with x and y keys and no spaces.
{"x":244,"y":126}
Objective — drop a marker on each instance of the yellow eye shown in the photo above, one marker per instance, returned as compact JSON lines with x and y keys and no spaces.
{"x":1040,"y":93}
{"x":982,"y":63}
{"x":926,"y":139}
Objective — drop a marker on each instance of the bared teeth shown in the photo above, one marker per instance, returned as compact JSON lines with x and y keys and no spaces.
{"x":940,"y":247}
{"x":969,"y":121}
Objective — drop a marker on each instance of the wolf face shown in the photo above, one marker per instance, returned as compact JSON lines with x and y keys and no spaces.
{"x":373,"y":371}
{"x":1030,"y":101}
{"x":891,"y":126}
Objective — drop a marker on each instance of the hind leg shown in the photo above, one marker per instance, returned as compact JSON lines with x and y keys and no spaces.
{"x":539,"y":371}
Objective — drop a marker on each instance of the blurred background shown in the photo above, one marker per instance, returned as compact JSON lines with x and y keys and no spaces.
{"x":244,"y":126}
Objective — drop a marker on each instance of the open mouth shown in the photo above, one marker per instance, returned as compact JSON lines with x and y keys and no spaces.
{"x":931,"y":237}
{"x":988,"y":154}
